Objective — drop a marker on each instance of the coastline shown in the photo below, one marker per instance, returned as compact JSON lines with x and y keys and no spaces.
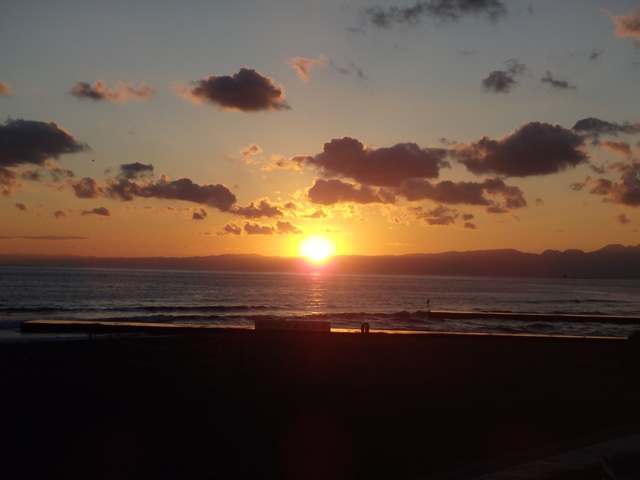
{"x":238,"y":403}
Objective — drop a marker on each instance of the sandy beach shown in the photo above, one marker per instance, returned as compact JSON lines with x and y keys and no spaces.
{"x":235,"y":403}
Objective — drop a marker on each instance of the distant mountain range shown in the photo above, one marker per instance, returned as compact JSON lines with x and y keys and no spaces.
{"x":612,"y":261}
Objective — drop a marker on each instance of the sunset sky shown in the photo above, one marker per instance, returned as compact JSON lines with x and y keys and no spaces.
{"x":161,"y":128}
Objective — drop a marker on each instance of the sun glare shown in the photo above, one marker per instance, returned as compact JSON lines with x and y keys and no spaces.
{"x":317,"y":248}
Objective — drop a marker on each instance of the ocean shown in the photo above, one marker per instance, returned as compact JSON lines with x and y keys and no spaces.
{"x":387,"y":302}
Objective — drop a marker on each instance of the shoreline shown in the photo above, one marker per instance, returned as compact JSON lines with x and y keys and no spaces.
{"x":238,"y":403}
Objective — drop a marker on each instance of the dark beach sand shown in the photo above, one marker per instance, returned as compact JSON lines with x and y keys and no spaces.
{"x":294,"y":405}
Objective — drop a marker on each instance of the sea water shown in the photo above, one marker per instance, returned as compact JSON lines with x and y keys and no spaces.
{"x":386,"y":302}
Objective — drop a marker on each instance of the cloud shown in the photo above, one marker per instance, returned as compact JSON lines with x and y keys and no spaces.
{"x":278,"y":162}
{"x":263,"y":209}
{"x":534,"y":149}
{"x":555,"y":83}
{"x":503,"y":81}
{"x":387,"y":166}
{"x":622,"y":219}
{"x":330,"y":192}
{"x":200,"y":214}
{"x":250,"y":150}
{"x":287,"y":227}
{"x":246,"y":91}
{"x":467,"y":193}
{"x":56,"y":172}
{"x":257,"y":229}
{"x":122,"y":92}
{"x":101,"y":211}
{"x":304,"y":65}
{"x":31,"y":141}
{"x":595,"y":54}
{"x":7,"y":181}
{"x":625,"y":191}
{"x":230,"y":229}
{"x":627,"y":25}
{"x":594,"y":127}
{"x":439,"y":10}
{"x":136,"y":170}
{"x":216,"y":196}
{"x":281,"y":228}
{"x":621,"y":148}
{"x":86,"y":187}
{"x":438,"y":216}
{"x":5,"y":89}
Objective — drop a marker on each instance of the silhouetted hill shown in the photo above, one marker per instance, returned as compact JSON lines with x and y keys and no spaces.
{"x":612,"y":261}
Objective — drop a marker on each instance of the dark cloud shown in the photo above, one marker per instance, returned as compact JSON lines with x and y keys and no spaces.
{"x":628,"y":25}
{"x":56,"y":172}
{"x":230,"y":229}
{"x":595,"y":54}
{"x":5,"y":89}
{"x":594,"y":127}
{"x":281,"y":228}
{"x":200,"y":214}
{"x":439,"y":10}
{"x":31,"y":175}
{"x":216,"y":196}
{"x":7,"y":181}
{"x":246,"y":91}
{"x":59,"y":214}
{"x":625,"y":191}
{"x":348,"y":157}
{"x":622,"y":219}
{"x":257,"y":229}
{"x":534,"y":149}
{"x":134,"y":171}
{"x":503,"y":81}
{"x":21,"y":206}
{"x":555,"y":83}
{"x":86,"y":187}
{"x":101,"y":211}
{"x":437,"y":216}
{"x":31,"y":141}
{"x":330,"y":192}
{"x":467,"y":193}
{"x":100,"y":92}
{"x":263,"y":209}
{"x":287,"y":227}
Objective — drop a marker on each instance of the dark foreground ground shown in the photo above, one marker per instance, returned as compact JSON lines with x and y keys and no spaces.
{"x":289,"y":405}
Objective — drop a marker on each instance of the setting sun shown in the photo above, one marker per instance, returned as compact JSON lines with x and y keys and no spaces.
{"x":317,"y":247}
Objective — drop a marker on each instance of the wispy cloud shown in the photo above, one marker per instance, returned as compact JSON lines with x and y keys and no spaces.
{"x":503,"y":81}
{"x":439,"y":10}
{"x":120,"y":93}
{"x":555,"y":83}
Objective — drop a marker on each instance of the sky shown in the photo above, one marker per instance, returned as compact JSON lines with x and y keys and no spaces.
{"x":193,"y":128}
